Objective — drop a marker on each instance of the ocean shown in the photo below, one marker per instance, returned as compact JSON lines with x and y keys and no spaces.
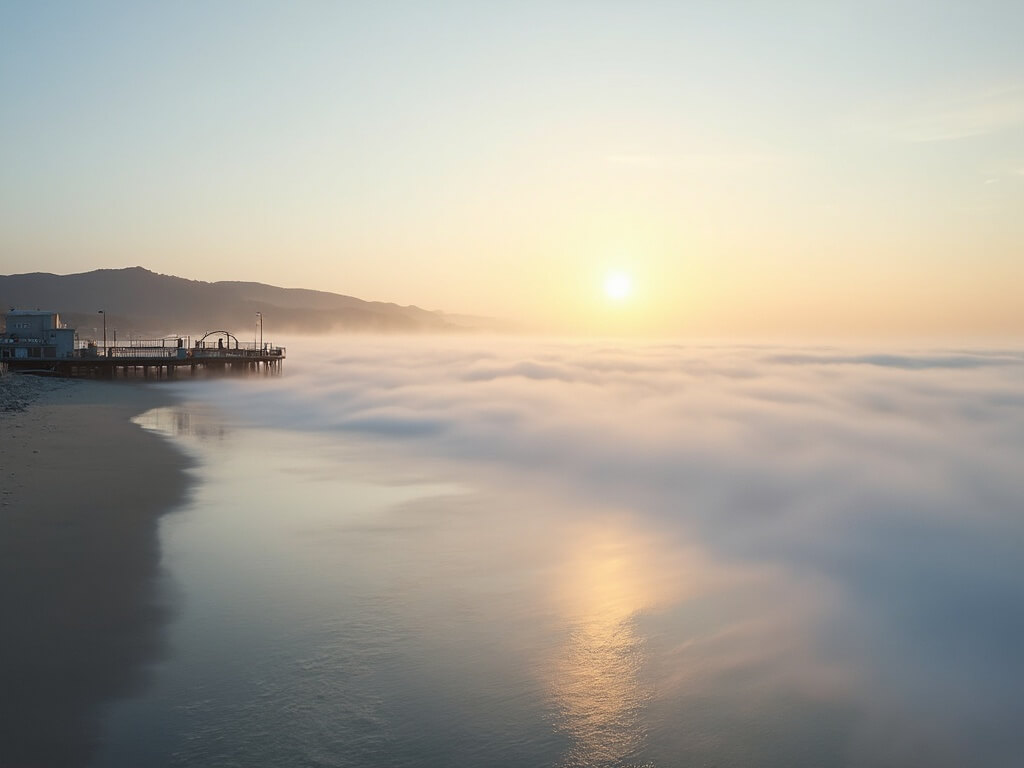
{"x":433,"y":551}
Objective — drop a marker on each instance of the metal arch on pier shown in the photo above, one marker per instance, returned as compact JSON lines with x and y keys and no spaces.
{"x":226,"y":334}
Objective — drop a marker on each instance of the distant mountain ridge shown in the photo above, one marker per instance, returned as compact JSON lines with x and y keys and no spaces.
{"x":144,"y":303}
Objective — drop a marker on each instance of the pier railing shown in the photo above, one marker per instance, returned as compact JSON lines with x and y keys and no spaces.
{"x":241,"y":349}
{"x":144,"y":352}
{"x":160,"y":349}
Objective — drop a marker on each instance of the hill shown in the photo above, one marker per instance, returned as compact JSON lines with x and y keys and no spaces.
{"x":144,"y":303}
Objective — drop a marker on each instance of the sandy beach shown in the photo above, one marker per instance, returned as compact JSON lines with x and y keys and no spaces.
{"x":81,"y":491}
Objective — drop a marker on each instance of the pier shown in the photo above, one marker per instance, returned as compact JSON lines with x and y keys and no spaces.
{"x":45,"y":347}
{"x":155,"y":362}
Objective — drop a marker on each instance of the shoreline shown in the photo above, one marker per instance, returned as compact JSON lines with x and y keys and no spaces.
{"x":82,"y":489}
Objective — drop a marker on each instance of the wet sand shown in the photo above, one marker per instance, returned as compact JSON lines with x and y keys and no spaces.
{"x":81,"y":491}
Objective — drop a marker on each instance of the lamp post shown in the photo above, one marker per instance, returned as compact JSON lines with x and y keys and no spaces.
{"x":104,"y":330}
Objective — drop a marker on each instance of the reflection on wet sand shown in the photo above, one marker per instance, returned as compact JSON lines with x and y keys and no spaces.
{"x":183,"y":421}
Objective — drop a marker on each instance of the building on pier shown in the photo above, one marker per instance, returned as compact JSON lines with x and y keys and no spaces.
{"x":34,"y":334}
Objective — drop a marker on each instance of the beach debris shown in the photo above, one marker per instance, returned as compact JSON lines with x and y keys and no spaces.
{"x":18,"y":392}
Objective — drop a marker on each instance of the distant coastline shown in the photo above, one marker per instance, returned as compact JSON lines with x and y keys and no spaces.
{"x":83,"y":489}
{"x":139,"y":303}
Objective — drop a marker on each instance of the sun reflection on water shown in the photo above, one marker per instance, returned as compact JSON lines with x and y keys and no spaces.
{"x":598,"y":694}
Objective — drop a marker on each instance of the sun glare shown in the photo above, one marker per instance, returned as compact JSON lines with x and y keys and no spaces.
{"x":617,"y":285}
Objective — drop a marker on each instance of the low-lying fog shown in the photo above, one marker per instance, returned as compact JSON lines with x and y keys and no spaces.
{"x":758,"y":553}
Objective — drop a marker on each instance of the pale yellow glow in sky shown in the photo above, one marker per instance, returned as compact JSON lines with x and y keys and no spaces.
{"x":618,"y":285}
{"x":829,"y":169}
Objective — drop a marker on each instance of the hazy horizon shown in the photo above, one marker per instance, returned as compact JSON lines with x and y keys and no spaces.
{"x":891,"y":339}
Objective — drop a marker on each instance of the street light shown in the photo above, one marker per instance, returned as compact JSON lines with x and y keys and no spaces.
{"x":104,"y":330}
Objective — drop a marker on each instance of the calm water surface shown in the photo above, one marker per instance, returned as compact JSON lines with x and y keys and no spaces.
{"x":596,"y":555}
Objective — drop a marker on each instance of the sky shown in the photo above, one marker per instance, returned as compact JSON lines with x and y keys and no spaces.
{"x":750,"y":168}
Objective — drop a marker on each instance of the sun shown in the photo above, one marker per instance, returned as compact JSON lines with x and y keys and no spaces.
{"x":617,"y":285}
